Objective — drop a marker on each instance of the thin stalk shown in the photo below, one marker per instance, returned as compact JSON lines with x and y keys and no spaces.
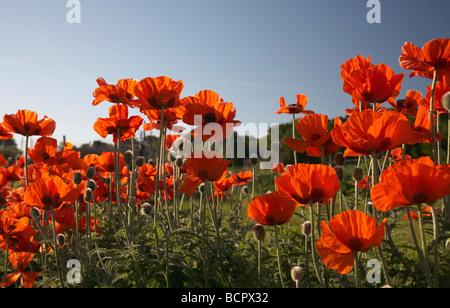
{"x":26,"y":160}
{"x":6,"y":257}
{"x":259,"y":263}
{"x":278,"y":255}
{"x":435,"y":242}
{"x":433,"y":128}
{"x":313,"y":240}
{"x":55,"y":244}
{"x":293,"y":136}
{"x":306,"y":259}
{"x":356,"y":268}
{"x":424,"y":245}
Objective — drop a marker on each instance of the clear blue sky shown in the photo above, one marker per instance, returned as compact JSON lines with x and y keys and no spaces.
{"x":249,"y":51}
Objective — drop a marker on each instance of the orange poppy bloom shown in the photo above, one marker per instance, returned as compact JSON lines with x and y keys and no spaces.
{"x":435,"y":54}
{"x":278,"y":168}
{"x":270,"y":209}
{"x":397,"y":155}
{"x":375,"y":84}
{"x":45,"y":151}
{"x":439,"y":92}
{"x":4,"y":134}
{"x":122,"y":93}
{"x":309,"y":182}
{"x":51,"y":191}
{"x":157,"y":93}
{"x":171,"y":117}
{"x":208,"y":111}
{"x":12,"y":173}
{"x":355,"y":64}
{"x":299,"y":107}
{"x":26,"y":123}
{"x":20,"y":261}
{"x":409,"y":104}
{"x":118,"y":124}
{"x":421,"y":129}
{"x":346,"y":233}
{"x":201,"y":166}
{"x":222,"y":185}
{"x":314,"y":130}
{"x":368,"y":131}
{"x":241,"y":178}
{"x":409,"y":182}
{"x":12,"y":227}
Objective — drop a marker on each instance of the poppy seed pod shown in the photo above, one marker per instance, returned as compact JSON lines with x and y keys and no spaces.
{"x":90,"y":172}
{"x":171,"y":156}
{"x":306,"y":228}
{"x":91,"y":184}
{"x":446,"y":101}
{"x":340,"y":172}
{"x":259,"y":232}
{"x":339,"y":159}
{"x":179,"y":161}
{"x":140,"y":160}
{"x":77,"y":178}
{"x":128,"y":157}
{"x":297,"y":273}
{"x":358,"y":174}
{"x":88,"y":195}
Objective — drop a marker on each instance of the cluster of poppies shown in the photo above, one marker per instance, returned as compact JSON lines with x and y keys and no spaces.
{"x":57,"y":187}
{"x":370,"y":130}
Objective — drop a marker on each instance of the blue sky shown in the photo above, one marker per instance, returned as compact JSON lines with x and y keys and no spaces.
{"x":251,"y":52}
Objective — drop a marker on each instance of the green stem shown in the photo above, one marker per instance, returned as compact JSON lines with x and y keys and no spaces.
{"x":6,"y":257}
{"x":55,"y":244}
{"x":356,"y":268}
{"x":278,"y":255}
{"x":433,"y":128}
{"x":435,"y":242}
{"x":293,"y":136}
{"x":313,"y":241}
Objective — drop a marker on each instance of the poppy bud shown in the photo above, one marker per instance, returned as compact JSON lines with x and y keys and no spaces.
{"x":178,"y":143}
{"x":358,"y":174}
{"x":179,"y":161}
{"x":10,"y":161}
{"x":88,"y":195}
{"x":171,"y":156}
{"x":287,"y":167}
{"x":297,"y":273}
{"x":77,"y":177}
{"x":306,"y":228}
{"x":60,"y":239}
{"x":446,"y":101}
{"x":91,"y":184}
{"x":254,"y":159}
{"x":146,"y":209}
{"x":339,"y":159}
{"x":151,"y":162}
{"x":140,"y":161}
{"x":107,"y":181}
{"x":90,"y":172}
{"x":259,"y":232}
{"x":340,"y":172}
{"x":128,"y":157}
{"x":35,"y":212}
{"x":245,"y":190}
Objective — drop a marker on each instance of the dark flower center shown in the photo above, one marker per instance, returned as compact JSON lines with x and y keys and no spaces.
{"x":209,"y":118}
{"x":420,"y":197}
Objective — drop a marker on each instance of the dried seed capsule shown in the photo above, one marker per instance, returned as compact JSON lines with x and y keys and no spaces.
{"x":171,"y":156}
{"x":91,"y":184}
{"x":77,"y":177}
{"x":358,"y":174}
{"x":339,"y":159}
{"x":146,"y":209}
{"x":90,"y":172}
{"x":259,"y":232}
{"x":179,"y":161}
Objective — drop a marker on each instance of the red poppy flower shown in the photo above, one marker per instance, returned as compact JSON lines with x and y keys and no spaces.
{"x":421,"y":129}
{"x":368,"y":131}
{"x":213,"y":118}
{"x":118,"y":124}
{"x":355,"y":64}
{"x":222,"y":185}
{"x":12,"y":173}
{"x":12,"y":227}
{"x":439,"y":92}
{"x":171,"y":117}
{"x":299,"y":107}
{"x":309,"y":182}
{"x":409,"y":104}
{"x":409,"y":182}
{"x":278,"y":168}
{"x":314,"y":130}
{"x":122,"y":93}
{"x":105,"y":163}
{"x":26,"y":123}
{"x":51,"y":191}
{"x":397,"y":155}
{"x":435,"y":55}
{"x":157,"y":93}
{"x":346,"y":233}
{"x":201,"y":166}
{"x":45,"y":151}
{"x":20,"y":261}
{"x":273,"y":208}
{"x":241,"y":178}
{"x":375,"y":84}
{"x":4,"y":134}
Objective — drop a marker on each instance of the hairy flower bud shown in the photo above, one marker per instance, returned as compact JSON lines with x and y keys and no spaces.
{"x":297,"y":273}
{"x":339,"y":159}
{"x":140,"y":160}
{"x":146,"y":209}
{"x":306,"y":228}
{"x":171,"y":156}
{"x":179,"y":161}
{"x":340,"y":172}
{"x":128,"y":157}
{"x":259,"y":232}
{"x":358,"y":174}
{"x":90,"y":172}
{"x":60,"y":239}
{"x":445,"y":100}
{"x":91,"y":184}
{"x":77,"y":177}
{"x":88,"y":195}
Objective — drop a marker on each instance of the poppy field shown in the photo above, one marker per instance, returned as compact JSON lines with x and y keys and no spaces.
{"x":352,"y":207}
